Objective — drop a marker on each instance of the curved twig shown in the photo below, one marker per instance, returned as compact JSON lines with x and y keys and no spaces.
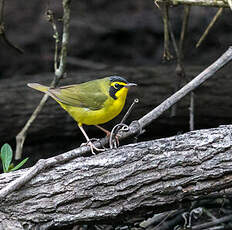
{"x":197,"y":81}
{"x":217,"y":15}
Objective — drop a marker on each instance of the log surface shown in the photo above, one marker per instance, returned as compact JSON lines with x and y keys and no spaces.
{"x":153,"y":174}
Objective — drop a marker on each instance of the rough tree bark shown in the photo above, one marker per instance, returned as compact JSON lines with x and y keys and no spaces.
{"x":156,"y":174}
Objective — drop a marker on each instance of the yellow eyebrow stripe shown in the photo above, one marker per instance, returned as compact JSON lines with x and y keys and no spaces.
{"x":118,"y":82}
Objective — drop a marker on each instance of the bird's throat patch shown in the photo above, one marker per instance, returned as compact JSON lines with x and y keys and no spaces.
{"x":112,"y":92}
{"x":114,"y":88}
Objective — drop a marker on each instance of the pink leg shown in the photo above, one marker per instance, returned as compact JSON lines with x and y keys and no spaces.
{"x":89,"y":142}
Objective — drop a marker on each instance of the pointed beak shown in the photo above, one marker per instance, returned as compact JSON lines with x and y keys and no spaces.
{"x":130,"y":84}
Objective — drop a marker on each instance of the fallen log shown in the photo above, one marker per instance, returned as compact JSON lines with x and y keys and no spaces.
{"x":159,"y":174}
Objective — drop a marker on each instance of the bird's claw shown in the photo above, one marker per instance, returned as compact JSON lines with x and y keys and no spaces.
{"x":92,"y":146}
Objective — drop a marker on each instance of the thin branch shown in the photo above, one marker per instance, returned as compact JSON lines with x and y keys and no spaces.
{"x":191,"y":112}
{"x":8,"y":42}
{"x":134,"y":128}
{"x":212,"y":223}
{"x":180,"y":67}
{"x":165,"y":16}
{"x":180,"y":72}
{"x":66,"y":18}
{"x":219,"y":12}
{"x":209,"y":3}
{"x":174,"y":43}
{"x":3,"y":30}
{"x":157,"y":218}
{"x":21,"y":136}
{"x":50,"y":18}
{"x":136,"y":100}
{"x":59,"y":72}
{"x":113,"y":141}
{"x":184,"y":29}
{"x":197,"y":81}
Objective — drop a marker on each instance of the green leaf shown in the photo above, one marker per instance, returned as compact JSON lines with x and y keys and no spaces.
{"x":20,"y":164}
{"x":6,"y":156}
{"x":3,"y":167}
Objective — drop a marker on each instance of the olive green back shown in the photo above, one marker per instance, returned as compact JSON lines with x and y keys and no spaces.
{"x":90,"y":95}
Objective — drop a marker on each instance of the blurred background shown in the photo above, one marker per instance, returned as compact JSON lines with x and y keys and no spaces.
{"x":107,"y":38}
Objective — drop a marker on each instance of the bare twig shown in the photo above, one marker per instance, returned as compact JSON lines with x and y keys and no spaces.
{"x":180,"y":72}
{"x":65,"y":37}
{"x":9,"y":43}
{"x":59,"y":72}
{"x":3,"y":30}
{"x":208,"y":3}
{"x":174,"y":42}
{"x":50,"y":18}
{"x":134,"y":127}
{"x":195,"y":214}
{"x":184,"y":29}
{"x":165,"y":16}
{"x":191,"y":112}
{"x":113,"y":141}
{"x":205,"y":75}
{"x":157,"y":218}
{"x":212,"y":223}
{"x":136,"y":100}
{"x":171,"y":220}
{"x":170,"y":213}
{"x":179,"y":53}
{"x":121,"y":125}
{"x":21,"y":136}
{"x":219,"y":12}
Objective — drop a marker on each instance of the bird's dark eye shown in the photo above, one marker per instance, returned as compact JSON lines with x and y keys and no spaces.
{"x":116,"y":86}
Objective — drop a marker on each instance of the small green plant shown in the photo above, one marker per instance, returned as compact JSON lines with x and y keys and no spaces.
{"x":6,"y":157}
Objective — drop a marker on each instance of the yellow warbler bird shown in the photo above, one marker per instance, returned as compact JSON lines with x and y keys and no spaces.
{"x":91,"y":103}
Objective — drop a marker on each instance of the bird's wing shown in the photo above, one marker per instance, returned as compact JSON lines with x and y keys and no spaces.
{"x":87,"y":95}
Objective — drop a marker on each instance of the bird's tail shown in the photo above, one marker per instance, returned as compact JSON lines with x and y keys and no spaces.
{"x":38,"y":87}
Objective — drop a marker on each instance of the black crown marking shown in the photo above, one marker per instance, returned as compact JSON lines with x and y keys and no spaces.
{"x":119,"y":79}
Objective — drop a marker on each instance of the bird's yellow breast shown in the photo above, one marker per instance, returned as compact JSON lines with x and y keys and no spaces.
{"x":112,"y":107}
